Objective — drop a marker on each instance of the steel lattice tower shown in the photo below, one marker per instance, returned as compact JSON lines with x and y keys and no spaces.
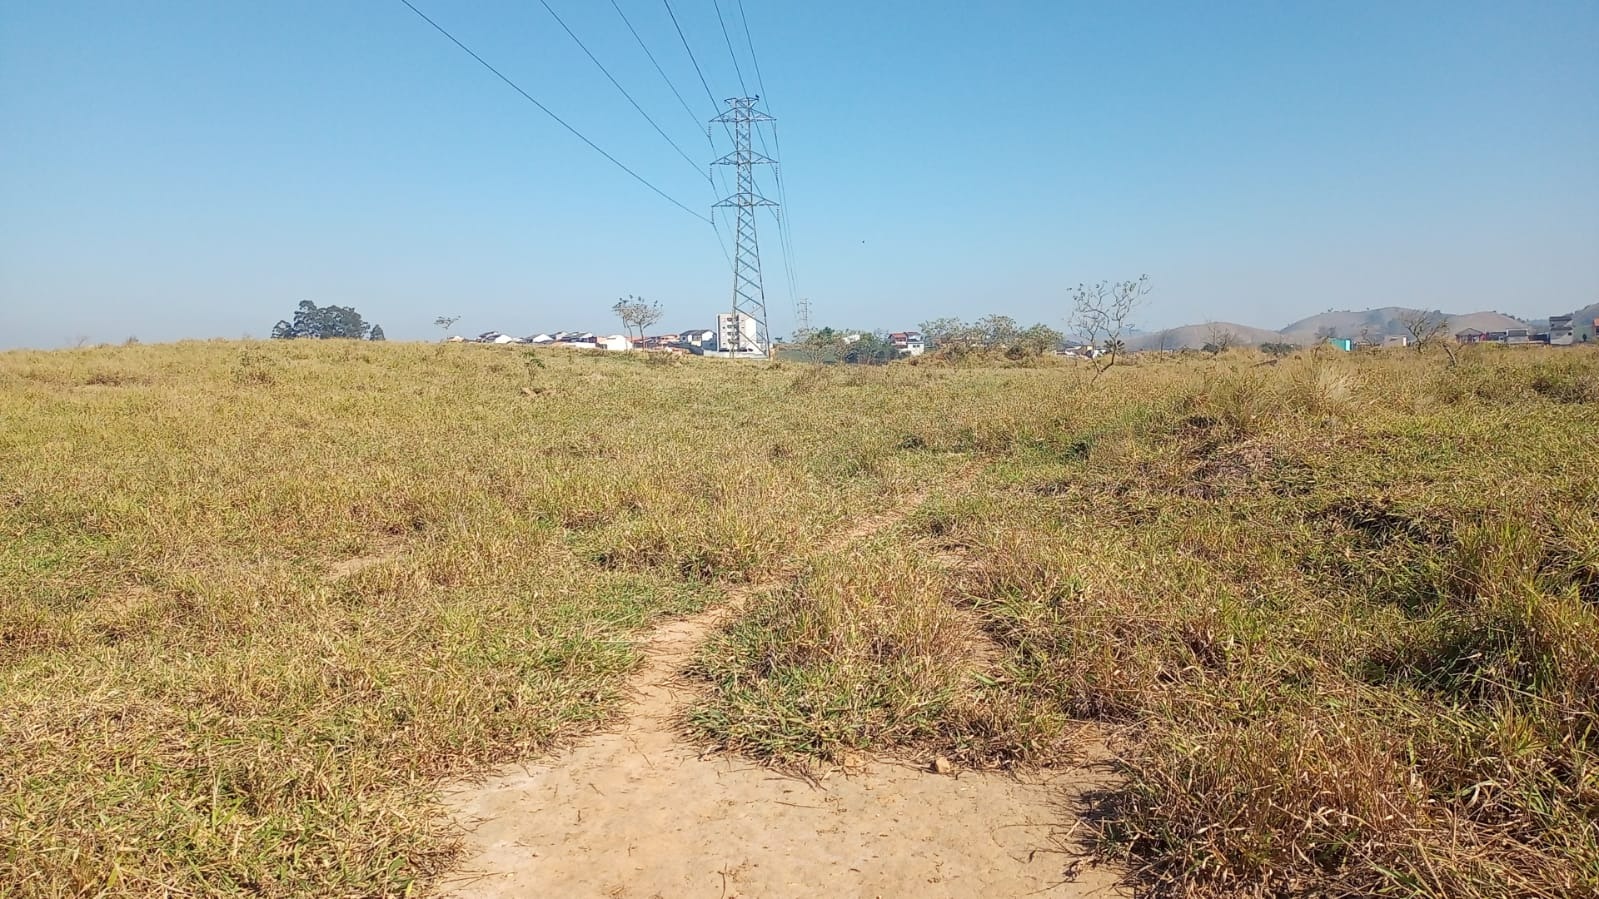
{"x":749,"y":295}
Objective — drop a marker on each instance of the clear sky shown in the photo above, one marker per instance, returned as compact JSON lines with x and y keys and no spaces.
{"x":194,"y":168}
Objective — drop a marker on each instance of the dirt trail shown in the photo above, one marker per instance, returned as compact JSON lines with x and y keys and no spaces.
{"x":636,"y":812}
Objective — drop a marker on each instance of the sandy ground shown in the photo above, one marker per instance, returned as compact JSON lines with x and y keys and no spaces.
{"x":637,"y":812}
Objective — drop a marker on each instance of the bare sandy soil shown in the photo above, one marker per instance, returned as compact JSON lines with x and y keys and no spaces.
{"x":637,"y":812}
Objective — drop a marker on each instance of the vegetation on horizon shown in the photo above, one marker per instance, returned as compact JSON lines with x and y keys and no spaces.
{"x":326,"y":323}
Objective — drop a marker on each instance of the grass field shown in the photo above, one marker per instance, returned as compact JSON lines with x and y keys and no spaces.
{"x":257,"y":600}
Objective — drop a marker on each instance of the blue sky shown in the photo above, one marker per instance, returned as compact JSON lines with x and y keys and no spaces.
{"x":180,"y":168}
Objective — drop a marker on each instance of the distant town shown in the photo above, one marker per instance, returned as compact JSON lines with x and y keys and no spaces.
{"x":736,"y":336}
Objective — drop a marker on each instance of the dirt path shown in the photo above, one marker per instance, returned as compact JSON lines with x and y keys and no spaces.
{"x":636,"y":812}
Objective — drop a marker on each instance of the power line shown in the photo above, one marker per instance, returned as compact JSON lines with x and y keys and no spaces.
{"x":715,"y":226}
{"x":785,"y":234}
{"x":759,"y":81}
{"x":660,"y":71}
{"x":664,"y":77}
{"x":734,"y":56}
{"x":703,"y":83}
{"x":546,"y":110}
{"x":678,"y":26}
{"x":618,"y":85}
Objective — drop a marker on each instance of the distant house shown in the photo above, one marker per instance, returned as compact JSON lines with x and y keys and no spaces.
{"x":907,"y":343}
{"x":583,"y":341}
{"x":1586,"y":330}
{"x":1343,"y":343}
{"x":1396,"y":340}
{"x":1518,"y":335}
{"x":697,"y":336}
{"x":615,"y":343}
{"x":1494,"y":337}
{"x":541,"y":340}
{"x":1470,"y":335}
{"x":1561,"y":330}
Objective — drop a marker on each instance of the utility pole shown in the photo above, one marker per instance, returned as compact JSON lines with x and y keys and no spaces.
{"x":748,"y":321}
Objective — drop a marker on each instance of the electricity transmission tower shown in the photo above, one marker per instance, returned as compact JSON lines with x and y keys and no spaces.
{"x":748,"y":321}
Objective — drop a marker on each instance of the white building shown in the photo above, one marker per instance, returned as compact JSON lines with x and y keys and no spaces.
{"x":742,"y":338}
{"x":1561,"y":330}
{"x":615,"y":343}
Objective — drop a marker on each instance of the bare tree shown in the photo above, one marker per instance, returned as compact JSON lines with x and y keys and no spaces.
{"x":638,"y":314}
{"x":1428,"y":329}
{"x":1102,"y":311}
{"x":1425,"y":328}
{"x":1219,"y":338}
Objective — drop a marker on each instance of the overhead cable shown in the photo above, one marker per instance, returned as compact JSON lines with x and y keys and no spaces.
{"x":546,"y":110}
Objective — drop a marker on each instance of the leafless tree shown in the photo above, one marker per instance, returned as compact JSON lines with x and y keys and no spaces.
{"x":1102,"y":311}
{"x":1425,"y":328}
{"x":1428,"y":329}
{"x":637,"y":314}
{"x":1219,"y":338}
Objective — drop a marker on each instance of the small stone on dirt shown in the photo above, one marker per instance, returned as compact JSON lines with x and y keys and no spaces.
{"x":943,"y":765}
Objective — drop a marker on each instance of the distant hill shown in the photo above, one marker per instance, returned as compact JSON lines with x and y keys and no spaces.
{"x":1375,"y":323}
{"x":1388,"y":322}
{"x":1483,"y":321}
{"x":1193,"y":337}
{"x":1378,"y":322}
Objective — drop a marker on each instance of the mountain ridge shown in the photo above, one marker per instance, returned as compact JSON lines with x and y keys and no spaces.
{"x":1375,"y":324}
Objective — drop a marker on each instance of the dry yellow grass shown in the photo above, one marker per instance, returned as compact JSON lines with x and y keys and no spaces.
{"x":193,"y":702}
{"x":257,"y":599}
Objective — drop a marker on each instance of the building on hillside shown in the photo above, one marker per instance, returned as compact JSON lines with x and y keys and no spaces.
{"x":1343,"y":343}
{"x":1561,"y":330}
{"x":908,"y":343}
{"x":1470,"y":335}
